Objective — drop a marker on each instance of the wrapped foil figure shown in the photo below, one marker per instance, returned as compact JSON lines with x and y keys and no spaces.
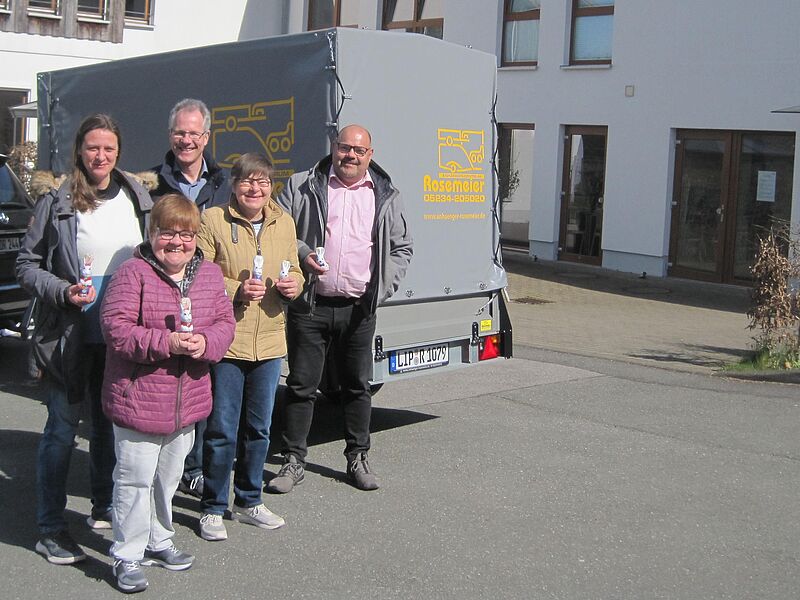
{"x":258,"y":267}
{"x":186,"y":315}
{"x":85,"y":280}
{"x":320,"y":250}
{"x":285,"y":266}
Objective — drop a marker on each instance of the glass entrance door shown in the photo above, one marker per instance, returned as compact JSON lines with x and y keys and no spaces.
{"x":583,"y":186}
{"x":701,"y":176}
{"x":763,"y":193}
{"x":730,"y":187}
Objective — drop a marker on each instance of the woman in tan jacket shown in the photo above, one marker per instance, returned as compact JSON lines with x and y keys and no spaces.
{"x":254,"y":242}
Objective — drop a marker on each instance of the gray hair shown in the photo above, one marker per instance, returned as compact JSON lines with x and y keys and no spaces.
{"x":190,"y":104}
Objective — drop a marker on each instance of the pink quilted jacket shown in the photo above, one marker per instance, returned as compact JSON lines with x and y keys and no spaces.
{"x":145,"y":388}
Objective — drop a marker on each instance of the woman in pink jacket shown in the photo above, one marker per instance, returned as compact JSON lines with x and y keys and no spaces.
{"x":165,"y":318}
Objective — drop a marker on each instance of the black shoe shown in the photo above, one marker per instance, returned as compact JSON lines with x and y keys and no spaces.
{"x":60,"y":549}
{"x":359,"y":473}
{"x":291,"y":474}
{"x":192,"y":486}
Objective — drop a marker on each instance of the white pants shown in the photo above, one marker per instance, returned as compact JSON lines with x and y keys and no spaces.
{"x":148,"y":471}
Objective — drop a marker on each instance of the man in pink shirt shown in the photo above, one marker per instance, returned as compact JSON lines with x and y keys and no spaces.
{"x":347,"y":205}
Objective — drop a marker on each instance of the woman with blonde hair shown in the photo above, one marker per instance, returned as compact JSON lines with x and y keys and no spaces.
{"x":166,"y":319}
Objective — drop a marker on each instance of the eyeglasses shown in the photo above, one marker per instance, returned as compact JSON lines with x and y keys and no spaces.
{"x":167,"y":235}
{"x":193,"y":135}
{"x":345,"y":149}
{"x":246,"y":184}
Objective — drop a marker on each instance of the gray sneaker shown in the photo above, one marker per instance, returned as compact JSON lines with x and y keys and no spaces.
{"x":170,"y":558}
{"x":212,"y":528}
{"x":259,"y":515}
{"x":60,"y":548}
{"x":359,"y":473}
{"x":130,"y":577}
{"x":291,"y":474}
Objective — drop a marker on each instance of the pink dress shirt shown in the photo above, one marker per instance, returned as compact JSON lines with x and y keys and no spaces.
{"x":348,"y":238}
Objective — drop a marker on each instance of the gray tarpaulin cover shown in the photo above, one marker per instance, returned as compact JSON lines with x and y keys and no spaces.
{"x":427,"y":103}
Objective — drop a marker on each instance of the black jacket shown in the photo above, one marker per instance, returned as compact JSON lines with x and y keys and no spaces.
{"x":46,"y":266}
{"x":216,"y":191}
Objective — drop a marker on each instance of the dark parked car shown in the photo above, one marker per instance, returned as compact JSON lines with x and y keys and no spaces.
{"x":16,"y":211}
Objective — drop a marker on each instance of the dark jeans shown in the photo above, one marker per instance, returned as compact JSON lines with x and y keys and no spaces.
{"x":343,"y":326}
{"x":193,"y":465}
{"x":58,"y":440}
{"x":244,"y":396}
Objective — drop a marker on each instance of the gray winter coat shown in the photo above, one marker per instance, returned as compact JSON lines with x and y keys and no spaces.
{"x":47,"y":265}
{"x":305,"y":197}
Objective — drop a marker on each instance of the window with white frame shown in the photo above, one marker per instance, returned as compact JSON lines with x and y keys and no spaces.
{"x":521,"y":32}
{"x":92,"y":8}
{"x":139,"y":11}
{"x":417,"y":16}
{"x":44,"y":6}
{"x":592,"y":29}
{"x":332,"y":13}
{"x":5,"y":4}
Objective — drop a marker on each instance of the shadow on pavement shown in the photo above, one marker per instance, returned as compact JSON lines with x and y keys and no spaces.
{"x":327,"y":426}
{"x":700,"y":294}
{"x":14,"y":376}
{"x":693,"y":356}
{"x":18,"y":499}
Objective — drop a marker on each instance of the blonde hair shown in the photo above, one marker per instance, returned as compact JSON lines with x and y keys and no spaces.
{"x":174,"y":211}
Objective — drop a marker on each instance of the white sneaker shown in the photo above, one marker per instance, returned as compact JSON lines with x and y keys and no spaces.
{"x":259,"y":515}
{"x":212,"y":528}
{"x":100,"y":520}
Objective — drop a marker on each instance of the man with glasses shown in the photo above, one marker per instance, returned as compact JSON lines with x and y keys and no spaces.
{"x":190,"y":170}
{"x":347,"y":205}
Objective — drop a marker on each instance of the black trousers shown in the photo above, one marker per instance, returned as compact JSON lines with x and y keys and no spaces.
{"x":342,"y":326}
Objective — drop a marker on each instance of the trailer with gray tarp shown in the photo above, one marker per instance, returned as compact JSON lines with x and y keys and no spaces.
{"x":429,"y":107}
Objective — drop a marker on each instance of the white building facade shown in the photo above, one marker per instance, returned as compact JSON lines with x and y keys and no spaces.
{"x":636,"y":135}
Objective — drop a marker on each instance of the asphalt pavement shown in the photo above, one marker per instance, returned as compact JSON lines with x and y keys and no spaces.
{"x":608,"y":459}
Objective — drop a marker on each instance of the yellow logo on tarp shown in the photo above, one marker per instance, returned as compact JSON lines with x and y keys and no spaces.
{"x":460,"y":180}
{"x":461,"y":151}
{"x":486,"y":325}
{"x":266,"y":127}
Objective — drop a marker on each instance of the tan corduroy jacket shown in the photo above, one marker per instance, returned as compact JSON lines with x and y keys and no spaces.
{"x":229,"y":239}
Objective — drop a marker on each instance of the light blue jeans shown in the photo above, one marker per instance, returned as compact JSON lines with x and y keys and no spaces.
{"x":148,"y":470}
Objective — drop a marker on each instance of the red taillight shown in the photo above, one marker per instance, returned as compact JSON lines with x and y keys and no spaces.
{"x":489,"y":347}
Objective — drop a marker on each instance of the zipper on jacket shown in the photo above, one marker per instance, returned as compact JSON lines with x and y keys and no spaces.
{"x":258,"y":312}
{"x":180,"y":394}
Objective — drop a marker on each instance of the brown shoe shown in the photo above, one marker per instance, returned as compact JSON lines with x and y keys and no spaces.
{"x":291,"y":474}
{"x":359,"y":473}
